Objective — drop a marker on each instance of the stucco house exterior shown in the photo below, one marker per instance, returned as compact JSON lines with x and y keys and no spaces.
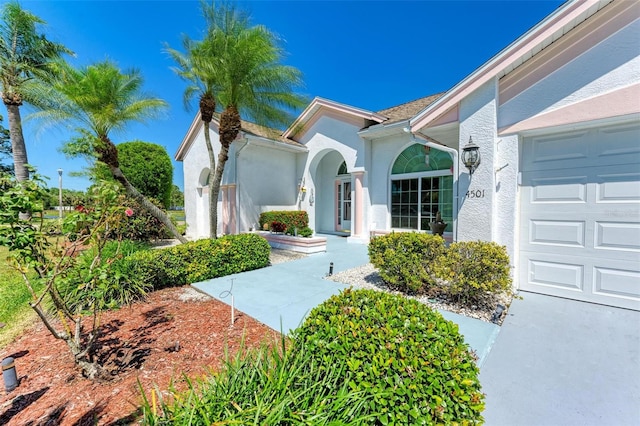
{"x":555,"y":117}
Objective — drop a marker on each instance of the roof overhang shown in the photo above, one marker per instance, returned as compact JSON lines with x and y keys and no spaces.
{"x":565,"y":18}
{"x":383,"y":130}
{"x":270,"y":143}
{"x":318,"y":104}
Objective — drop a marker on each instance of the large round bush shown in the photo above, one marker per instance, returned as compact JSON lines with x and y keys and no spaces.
{"x":412,"y":361}
{"x":405,"y":259}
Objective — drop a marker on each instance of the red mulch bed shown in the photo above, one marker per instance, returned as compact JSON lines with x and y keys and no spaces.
{"x":139,"y":343}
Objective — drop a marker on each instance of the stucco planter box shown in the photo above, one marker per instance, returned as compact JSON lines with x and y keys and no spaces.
{"x":299,"y":244}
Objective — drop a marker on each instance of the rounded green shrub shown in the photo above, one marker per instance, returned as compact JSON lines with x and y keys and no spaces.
{"x":407,"y":357}
{"x":474,"y":272}
{"x":405,"y":259}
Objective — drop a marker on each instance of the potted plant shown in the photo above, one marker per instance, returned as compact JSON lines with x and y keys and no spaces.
{"x":438,"y":226}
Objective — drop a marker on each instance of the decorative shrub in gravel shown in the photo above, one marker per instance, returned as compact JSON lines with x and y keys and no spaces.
{"x":474,"y":271}
{"x":405,"y":259}
{"x":407,"y":357}
{"x":201,"y":260}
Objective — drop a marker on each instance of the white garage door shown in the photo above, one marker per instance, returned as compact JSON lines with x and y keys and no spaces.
{"x":580,"y":216}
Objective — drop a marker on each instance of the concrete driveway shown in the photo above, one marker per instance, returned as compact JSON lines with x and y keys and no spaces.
{"x":563,"y":362}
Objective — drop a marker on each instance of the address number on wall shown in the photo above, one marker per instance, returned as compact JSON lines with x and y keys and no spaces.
{"x":478,"y":193}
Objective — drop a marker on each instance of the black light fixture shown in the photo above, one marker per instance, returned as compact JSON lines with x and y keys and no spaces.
{"x":495,"y":318}
{"x":471,"y":156}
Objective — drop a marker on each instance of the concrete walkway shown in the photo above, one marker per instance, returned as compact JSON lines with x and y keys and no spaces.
{"x":553,"y":362}
{"x":281,"y":295}
{"x":564,"y":362}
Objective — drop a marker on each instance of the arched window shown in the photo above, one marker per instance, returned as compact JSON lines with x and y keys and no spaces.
{"x":342,"y":170}
{"x":421,"y":186}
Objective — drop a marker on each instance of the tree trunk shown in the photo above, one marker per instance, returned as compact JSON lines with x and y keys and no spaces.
{"x":18,"y":146}
{"x":214,"y":187}
{"x":151,"y":208}
{"x":213,"y":202}
{"x":230,"y":126}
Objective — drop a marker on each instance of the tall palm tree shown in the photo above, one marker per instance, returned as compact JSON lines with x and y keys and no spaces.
{"x":25,"y":55}
{"x":239,"y":66}
{"x":95,"y":101}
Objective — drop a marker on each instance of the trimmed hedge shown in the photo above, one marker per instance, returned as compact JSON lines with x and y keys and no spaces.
{"x":412,"y":362}
{"x":291,"y":219}
{"x":200,"y":260}
{"x":405,"y":259}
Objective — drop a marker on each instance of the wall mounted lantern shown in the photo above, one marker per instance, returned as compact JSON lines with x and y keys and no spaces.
{"x":471,"y":156}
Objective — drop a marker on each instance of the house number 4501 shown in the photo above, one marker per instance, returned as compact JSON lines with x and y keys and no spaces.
{"x":478,"y":193}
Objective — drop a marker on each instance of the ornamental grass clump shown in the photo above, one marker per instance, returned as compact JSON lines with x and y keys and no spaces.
{"x":411,"y":362}
{"x":267,"y":386}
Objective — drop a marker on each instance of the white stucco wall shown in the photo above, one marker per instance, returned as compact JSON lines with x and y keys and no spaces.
{"x":478,"y":119}
{"x":612,"y":64}
{"x":384,"y":152}
{"x":195,"y":161}
{"x":266,"y":180}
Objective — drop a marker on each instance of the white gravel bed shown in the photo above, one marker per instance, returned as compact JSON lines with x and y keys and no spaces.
{"x":281,"y":256}
{"x":366,"y":276}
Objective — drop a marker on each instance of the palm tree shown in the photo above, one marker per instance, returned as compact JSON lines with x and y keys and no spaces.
{"x":236,"y":67}
{"x":25,"y":55}
{"x":95,"y":101}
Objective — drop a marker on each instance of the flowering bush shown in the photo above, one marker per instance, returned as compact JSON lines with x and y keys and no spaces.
{"x":59,"y":271}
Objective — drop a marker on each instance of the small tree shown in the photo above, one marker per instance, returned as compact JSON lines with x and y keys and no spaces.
{"x":147,"y":166}
{"x":56,"y":264}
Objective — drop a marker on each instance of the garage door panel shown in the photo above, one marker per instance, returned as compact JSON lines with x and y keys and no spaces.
{"x":562,"y":189}
{"x":618,"y":187}
{"x":551,"y":274}
{"x":558,"y":233}
{"x":617,"y":236}
{"x":618,"y":145}
{"x":618,"y":283}
{"x":550,"y":152}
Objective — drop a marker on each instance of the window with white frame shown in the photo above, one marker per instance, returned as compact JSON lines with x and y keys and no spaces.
{"x":421,"y":186}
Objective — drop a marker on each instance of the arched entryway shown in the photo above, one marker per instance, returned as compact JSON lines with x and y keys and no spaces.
{"x":333,"y":194}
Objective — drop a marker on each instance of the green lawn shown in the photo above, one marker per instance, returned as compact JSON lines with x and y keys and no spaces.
{"x":15,"y":311}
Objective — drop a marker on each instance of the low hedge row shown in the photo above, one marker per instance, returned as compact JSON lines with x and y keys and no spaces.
{"x":200,"y":260}
{"x":469,"y":272}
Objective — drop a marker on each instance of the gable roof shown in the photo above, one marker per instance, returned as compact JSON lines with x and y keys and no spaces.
{"x":554,"y":26}
{"x":408,"y":110}
{"x":246,"y":126}
{"x":318,"y":104}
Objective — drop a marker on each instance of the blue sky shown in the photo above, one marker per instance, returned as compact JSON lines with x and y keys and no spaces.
{"x":369,"y":54}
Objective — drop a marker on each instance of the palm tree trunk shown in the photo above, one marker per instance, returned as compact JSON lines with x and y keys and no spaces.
{"x":230,"y":125}
{"x":17,"y":143}
{"x":148,"y":205}
{"x":213,"y":202}
{"x":214,"y":187}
